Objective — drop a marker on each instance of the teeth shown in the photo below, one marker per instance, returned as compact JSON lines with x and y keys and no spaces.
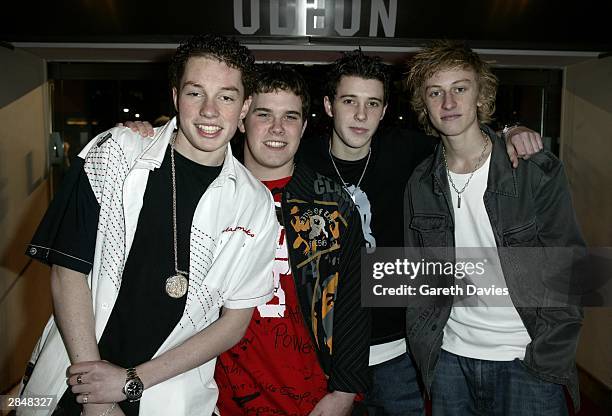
{"x":208,"y":129}
{"x":273,"y":143}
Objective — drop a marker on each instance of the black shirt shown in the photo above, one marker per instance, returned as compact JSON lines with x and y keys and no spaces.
{"x":143,"y":315}
{"x":395,"y":154}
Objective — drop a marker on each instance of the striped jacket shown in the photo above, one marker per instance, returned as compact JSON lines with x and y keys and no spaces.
{"x":324,"y":238}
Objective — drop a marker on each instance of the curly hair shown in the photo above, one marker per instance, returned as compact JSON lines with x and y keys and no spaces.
{"x":442,"y":55}
{"x":226,"y":50}
{"x":357,"y":64}
{"x":273,"y":77}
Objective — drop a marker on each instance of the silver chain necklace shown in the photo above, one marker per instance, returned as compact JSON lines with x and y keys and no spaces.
{"x":459,"y":192}
{"x":176,"y":285}
{"x":344,"y":183}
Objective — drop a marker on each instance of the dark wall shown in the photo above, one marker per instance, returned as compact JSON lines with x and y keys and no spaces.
{"x":517,"y":24}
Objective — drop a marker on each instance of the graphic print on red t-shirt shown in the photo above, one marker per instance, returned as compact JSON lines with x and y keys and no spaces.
{"x":274,"y":369}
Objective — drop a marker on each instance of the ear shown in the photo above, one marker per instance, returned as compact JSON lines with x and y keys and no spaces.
{"x":481,"y":98}
{"x":241,"y":126}
{"x":328,"y":106}
{"x":245,"y":107}
{"x":304,"y":128}
{"x":175,"y":98}
{"x":383,"y":112}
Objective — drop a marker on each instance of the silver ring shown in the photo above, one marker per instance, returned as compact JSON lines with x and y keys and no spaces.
{"x":85,"y":398}
{"x":79,"y":379}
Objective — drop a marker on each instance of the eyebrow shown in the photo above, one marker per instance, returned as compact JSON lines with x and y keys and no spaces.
{"x":454,"y":82}
{"x":268,"y":110}
{"x":355,"y":96}
{"x":195,"y":84}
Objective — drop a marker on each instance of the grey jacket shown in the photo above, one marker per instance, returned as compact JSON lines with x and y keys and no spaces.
{"x":530,"y":207}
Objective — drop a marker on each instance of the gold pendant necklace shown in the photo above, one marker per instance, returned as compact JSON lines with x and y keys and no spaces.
{"x":176,"y":285}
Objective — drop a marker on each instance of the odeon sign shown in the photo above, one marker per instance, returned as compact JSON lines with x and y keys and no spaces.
{"x":315,"y":17}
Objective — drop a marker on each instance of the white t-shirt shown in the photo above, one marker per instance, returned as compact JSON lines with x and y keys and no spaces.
{"x":493,"y":333}
{"x":382,"y":353}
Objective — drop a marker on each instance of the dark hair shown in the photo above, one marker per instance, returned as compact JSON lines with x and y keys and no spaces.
{"x":356,"y":64}
{"x":442,"y":55}
{"x":226,"y":50}
{"x":273,"y":77}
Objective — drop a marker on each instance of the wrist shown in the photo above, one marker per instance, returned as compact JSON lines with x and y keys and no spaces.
{"x":95,"y":406}
{"x":109,"y":410}
{"x":508,"y":128}
{"x":344,"y":395}
{"x":98,"y":409}
{"x":133,"y":387}
{"x":146,"y":375}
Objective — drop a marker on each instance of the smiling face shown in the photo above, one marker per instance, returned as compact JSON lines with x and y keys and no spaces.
{"x":357,"y":109}
{"x":451,"y":97}
{"x":209,"y":105}
{"x":274,"y":126}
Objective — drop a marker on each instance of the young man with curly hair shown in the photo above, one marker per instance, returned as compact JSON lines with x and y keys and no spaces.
{"x":160,"y":250}
{"x":503,"y":358}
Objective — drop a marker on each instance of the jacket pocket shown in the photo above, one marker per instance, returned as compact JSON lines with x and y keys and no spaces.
{"x":525,"y":235}
{"x":433,"y":229}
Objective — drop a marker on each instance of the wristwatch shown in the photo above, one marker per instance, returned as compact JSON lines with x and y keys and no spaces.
{"x":133,"y":386}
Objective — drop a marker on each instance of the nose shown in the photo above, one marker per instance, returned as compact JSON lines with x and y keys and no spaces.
{"x":449,"y":102}
{"x":277,"y":126}
{"x":360,"y":113}
{"x":209,"y":109}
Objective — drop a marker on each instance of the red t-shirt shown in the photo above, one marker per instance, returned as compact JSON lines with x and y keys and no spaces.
{"x":274,"y":369}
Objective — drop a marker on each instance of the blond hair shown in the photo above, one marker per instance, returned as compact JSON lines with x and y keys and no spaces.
{"x":443,"y":55}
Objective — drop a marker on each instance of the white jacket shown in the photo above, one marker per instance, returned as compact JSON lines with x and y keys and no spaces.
{"x":232,"y":246}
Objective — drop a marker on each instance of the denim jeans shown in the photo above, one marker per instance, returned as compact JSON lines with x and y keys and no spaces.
{"x":395,"y":389}
{"x":466,"y":386}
